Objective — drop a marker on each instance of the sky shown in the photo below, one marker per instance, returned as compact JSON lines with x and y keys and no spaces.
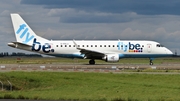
{"x":156,"y":20}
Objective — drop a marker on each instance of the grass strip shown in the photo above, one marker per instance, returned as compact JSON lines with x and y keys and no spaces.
{"x":91,"y":86}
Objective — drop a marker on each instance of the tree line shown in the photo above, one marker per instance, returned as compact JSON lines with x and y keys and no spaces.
{"x":6,"y":54}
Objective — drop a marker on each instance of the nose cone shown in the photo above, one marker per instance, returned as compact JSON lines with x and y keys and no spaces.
{"x":168,"y":52}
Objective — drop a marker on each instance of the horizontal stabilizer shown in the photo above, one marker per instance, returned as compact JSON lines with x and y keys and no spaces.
{"x":16,"y":44}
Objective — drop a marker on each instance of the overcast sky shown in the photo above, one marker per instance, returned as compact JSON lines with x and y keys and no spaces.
{"x":157,"y":20}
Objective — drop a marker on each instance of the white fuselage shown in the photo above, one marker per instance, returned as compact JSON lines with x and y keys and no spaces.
{"x":125,"y":48}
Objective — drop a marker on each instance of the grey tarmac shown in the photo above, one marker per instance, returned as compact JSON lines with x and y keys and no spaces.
{"x":117,"y":68}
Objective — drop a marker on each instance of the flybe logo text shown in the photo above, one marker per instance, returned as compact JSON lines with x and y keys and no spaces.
{"x":24,"y":34}
{"x":37,"y":46}
{"x":130,"y":47}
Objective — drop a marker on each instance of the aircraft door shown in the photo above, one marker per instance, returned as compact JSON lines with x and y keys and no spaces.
{"x":149,"y":48}
{"x":52,"y":47}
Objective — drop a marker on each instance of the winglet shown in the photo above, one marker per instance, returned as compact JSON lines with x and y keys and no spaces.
{"x":75,"y":44}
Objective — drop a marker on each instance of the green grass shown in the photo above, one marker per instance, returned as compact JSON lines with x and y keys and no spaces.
{"x":92,"y":86}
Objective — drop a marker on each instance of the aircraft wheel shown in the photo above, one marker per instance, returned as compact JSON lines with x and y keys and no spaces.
{"x":91,"y":62}
{"x":151,"y":63}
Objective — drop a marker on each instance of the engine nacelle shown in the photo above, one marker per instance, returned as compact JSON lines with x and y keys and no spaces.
{"x":111,"y":58}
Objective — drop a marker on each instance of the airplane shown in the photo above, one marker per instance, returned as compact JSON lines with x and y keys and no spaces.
{"x":107,"y":50}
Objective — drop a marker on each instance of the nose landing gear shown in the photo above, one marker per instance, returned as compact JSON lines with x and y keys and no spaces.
{"x":151,"y":61}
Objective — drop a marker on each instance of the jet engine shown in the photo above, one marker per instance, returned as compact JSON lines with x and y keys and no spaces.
{"x":111,"y":57}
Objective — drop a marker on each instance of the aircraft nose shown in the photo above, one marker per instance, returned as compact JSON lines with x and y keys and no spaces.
{"x":169,"y":52}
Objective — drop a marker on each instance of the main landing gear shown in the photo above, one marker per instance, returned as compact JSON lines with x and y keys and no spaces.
{"x":91,"y":62}
{"x":150,"y":62}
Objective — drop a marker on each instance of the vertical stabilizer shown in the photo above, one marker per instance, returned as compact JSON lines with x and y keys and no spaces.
{"x":24,"y":34}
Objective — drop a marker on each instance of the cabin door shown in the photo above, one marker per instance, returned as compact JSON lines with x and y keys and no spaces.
{"x":149,"y":48}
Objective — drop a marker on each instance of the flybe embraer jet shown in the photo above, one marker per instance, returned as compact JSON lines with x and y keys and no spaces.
{"x":107,"y":50}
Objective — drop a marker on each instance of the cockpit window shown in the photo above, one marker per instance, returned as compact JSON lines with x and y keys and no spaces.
{"x":159,"y":45}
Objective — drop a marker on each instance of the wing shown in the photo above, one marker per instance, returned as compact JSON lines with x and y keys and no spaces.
{"x":90,"y":53}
